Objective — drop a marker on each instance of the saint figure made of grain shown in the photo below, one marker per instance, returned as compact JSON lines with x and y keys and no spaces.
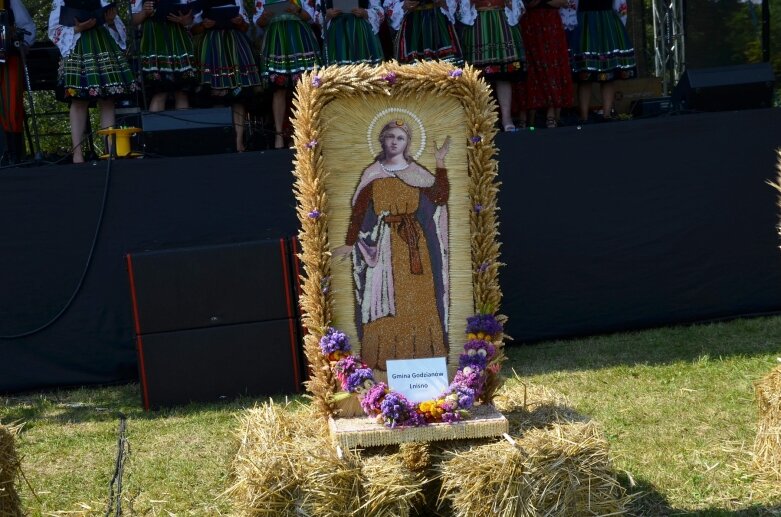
{"x":398,"y":237}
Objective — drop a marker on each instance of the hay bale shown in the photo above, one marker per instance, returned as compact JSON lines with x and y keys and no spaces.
{"x":487,"y":479}
{"x":10,"y":469}
{"x":767,"y":444}
{"x":287,"y":465}
{"x":561,"y":470}
{"x":558,"y":465}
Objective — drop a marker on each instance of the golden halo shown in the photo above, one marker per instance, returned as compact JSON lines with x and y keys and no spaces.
{"x":393,"y":115}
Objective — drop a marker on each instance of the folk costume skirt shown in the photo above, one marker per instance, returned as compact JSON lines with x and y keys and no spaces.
{"x":95,"y":69}
{"x":601,"y":48}
{"x":11,"y":88}
{"x":226,"y":63}
{"x":548,"y":81}
{"x":426,"y":34}
{"x":494,"y":46}
{"x":167,"y":57}
{"x":289,"y":48}
{"x":349,"y":40}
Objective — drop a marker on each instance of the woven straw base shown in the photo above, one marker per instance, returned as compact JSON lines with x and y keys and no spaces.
{"x":485,"y":421}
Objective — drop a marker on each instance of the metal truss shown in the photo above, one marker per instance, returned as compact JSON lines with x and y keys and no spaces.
{"x":669,"y":45}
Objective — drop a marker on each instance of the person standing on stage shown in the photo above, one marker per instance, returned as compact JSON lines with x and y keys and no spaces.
{"x":167,"y":56}
{"x":11,"y":79}
{"x":93,"y":65}
{"x":492,"y":43}
{"x":351,"y":37}
{"x":288,"y":49}
{"x":548,"y":83}
{"x":425,"y":30}
{"x":228,"y":69}
{"x":601,"y":51}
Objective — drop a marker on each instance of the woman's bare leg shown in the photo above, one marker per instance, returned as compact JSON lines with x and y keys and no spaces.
{"x":78,"y":120}
{"x":278,"y":105}
{"x":238,"y":124}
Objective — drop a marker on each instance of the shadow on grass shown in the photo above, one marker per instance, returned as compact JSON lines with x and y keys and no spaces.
{"x":649,"y":502}
{"x":741,"y":337}
{"x":105,"y":404}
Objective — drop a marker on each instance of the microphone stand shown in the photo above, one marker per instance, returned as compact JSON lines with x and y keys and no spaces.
{"x":19,"y":43}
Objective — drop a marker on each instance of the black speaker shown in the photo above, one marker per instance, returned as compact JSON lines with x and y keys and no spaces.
{"x":650,"y":107}
{"x":214,"y":321}
{"x":188,"y":132}
{"x":725,"y":88}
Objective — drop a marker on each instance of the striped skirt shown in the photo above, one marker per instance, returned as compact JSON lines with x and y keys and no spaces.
{"x":289,"y":48}
{"x":349,"y":39}
{"x":493,"y":46}
{"x":167,"y":56}
{"x":225,"y":61}
{"x":96,"y":68}
{"x":426,"y":34}
{"x":601,"y":48}
{"x":11,"y":88}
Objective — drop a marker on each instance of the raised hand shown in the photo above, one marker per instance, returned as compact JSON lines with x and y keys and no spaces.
{"x":441,"y":152}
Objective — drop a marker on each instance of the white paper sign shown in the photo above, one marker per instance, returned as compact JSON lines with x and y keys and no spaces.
{"x":418,"y":379}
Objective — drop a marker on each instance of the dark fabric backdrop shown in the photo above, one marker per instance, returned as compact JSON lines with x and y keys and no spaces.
{"x":608,"y":227}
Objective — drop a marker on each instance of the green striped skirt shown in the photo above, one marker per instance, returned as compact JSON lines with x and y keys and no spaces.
{"x":493,"y":46}
{"x":226,"y":62}
{"x":601,"y":48}
{"x":426,"y":34}
{"x":167,"y":56}
{"x":289,"y":48}
{"x":349,"y":40}
{"x":96,"y":68}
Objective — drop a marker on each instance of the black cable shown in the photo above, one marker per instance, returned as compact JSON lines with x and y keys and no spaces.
{"x":90,"y":256}
{"x":115,"y":485}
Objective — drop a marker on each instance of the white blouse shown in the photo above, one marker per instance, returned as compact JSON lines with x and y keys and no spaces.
{"x":66,"y":37}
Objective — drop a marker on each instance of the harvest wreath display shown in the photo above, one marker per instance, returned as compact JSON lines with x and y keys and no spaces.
{"x":396,"y":195}
{"x":478,"y":363}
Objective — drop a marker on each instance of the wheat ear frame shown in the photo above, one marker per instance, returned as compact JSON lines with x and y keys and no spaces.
{"x":315,"y":90}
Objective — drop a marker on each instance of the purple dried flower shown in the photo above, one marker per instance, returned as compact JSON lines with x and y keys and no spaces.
{"x":355,"y":382}
{"x":476,"y":139}
{"x":456,"y":73}
{"x":472,"y":360}
{"x":485,"y":323}
{"x":464,"y":395}
{"x":334,"y":344}
{"x":314,"y":214}
{"x":395,"y":410}
{"x":483,"y":267}
{"x":317,"y":81}
{"x":390,"y":77}
{"x":480,"y":347}
{"x":373,"y":398}
{"x":478,"y":208}
{"x":471,"y":377}
{"x":311,"y":144}
{"x":346,"y":366}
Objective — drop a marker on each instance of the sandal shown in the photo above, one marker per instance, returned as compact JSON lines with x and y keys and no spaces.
{"x":509,"y":128}
{"x":551,"y":123}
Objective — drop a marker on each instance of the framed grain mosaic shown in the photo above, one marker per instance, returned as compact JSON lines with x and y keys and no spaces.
{"x":396,"y":189}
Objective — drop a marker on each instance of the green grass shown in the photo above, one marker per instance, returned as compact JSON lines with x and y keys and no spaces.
{"x":676,"y":404}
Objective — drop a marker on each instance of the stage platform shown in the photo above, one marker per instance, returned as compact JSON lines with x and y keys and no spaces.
{"x":607,"y":227}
